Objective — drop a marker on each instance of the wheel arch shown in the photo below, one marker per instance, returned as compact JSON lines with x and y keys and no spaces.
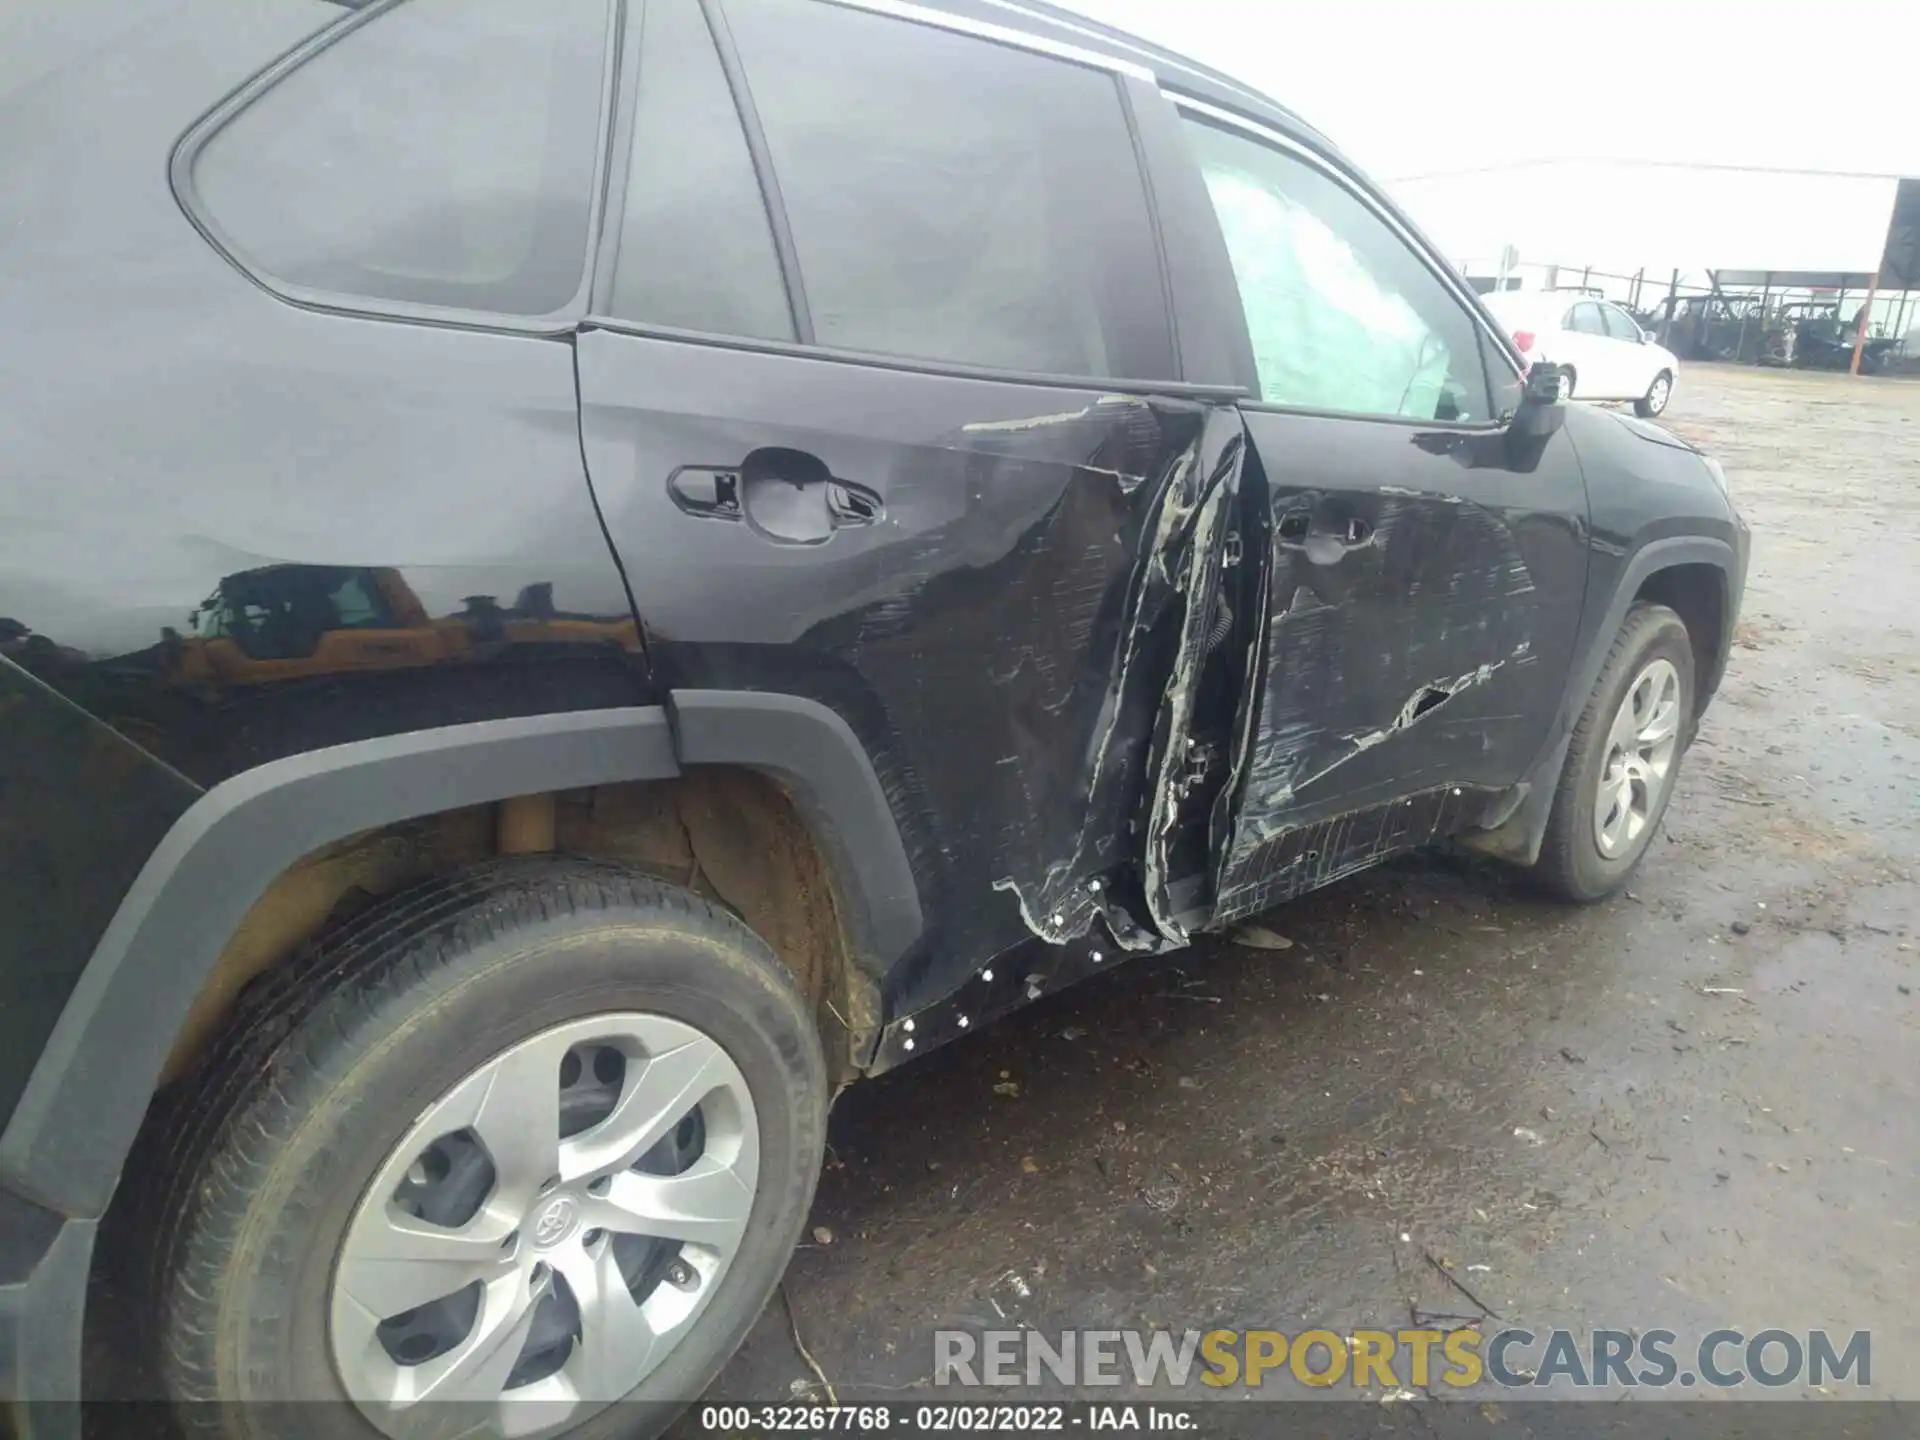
{"x":1702,"y":573}
{"x":1699,"y":592}
{"x":76,"y":1122}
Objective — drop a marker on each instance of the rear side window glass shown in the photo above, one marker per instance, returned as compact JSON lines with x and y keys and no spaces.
{"x":441,"y":153}
{"x":1343,"y":314}
{"x":952,"y":198}
{"x":696,"y":250}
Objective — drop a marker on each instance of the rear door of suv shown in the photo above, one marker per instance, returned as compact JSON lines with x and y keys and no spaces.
{"x":881,"y":401}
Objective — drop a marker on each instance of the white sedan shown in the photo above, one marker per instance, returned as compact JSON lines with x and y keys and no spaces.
{"x":1606,"y":355}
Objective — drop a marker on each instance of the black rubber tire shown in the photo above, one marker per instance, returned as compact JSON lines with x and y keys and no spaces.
{"x":1570,"y":864}
{"x":329,"y":1062}
{"x":1644,"y":406}
{"x":1568,"y":378}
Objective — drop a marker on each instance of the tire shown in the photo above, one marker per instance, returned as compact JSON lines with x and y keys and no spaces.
{"x":1573,"y":863}
{"x":1568,"y":376}
{"x":431,"y":994}
{"x":1659,"y":392}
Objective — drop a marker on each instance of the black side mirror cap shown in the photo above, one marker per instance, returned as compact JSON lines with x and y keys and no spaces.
{"x":1543,"y":406}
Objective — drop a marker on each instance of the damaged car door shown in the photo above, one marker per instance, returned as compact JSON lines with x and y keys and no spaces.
{"x":1425,"y":566}
{"x":880,"y":406}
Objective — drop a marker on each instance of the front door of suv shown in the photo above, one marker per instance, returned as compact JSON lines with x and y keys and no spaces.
{"x":878,"y":402}
{"x":1427,"y":568}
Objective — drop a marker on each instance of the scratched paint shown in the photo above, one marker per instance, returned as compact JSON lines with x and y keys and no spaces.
{"x":1374,"y":656}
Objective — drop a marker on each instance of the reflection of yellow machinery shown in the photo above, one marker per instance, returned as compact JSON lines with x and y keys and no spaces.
{"x":286,"y":622}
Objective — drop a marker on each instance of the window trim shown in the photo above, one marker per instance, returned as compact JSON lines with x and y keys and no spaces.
{"x":598,"y":317}
{"x":761,"y":158}
{"x":951,"y":369}
{"x":999,"y":34}
{"x":186,"y":150}
{"x":1452,"y":283}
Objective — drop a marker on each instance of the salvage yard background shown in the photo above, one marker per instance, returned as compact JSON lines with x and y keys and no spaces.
{"x":1695,"y":1106}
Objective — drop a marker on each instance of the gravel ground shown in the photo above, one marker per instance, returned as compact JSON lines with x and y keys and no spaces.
{"x":1692,"y":1106}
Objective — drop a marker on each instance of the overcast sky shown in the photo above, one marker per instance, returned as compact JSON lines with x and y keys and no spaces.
{"x":1414,"y":86}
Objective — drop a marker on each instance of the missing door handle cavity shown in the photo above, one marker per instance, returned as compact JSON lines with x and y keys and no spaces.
{"x":706,"y":492}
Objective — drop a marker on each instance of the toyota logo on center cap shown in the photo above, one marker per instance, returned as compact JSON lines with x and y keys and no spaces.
{"x":556,"y":1220}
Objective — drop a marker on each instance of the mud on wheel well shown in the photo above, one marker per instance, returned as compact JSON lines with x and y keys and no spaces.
{"x":728,"y":834}
{"x":1697,"y":594}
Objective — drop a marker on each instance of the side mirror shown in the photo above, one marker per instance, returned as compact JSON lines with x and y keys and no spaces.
{"x":1543,"y":404}
{"x":1646,"y":337}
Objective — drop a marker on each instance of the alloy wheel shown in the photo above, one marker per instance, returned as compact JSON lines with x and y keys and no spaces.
{"x":548,"y":1230}
{"x":1641,"y":745}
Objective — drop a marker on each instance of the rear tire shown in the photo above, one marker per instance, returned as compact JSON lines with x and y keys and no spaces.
{"x":1584,"y":857}
{"x":327,"y":1078}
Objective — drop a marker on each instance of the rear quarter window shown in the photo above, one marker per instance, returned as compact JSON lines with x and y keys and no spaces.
{"x":436,"y":152}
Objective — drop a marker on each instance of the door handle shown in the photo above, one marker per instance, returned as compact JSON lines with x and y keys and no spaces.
{"x":786,"y":497}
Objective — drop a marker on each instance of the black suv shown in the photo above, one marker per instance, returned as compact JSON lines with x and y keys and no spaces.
{"x":577,"y":574}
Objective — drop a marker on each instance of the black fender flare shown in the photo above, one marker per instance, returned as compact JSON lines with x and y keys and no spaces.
{"x":1522,"y":824}
{"x":1641,"y":565}
{"x":816,"y":757}
{"x":76,"y":1121}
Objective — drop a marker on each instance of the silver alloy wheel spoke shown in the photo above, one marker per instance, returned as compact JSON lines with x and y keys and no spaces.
{"x":1641,"y":744}
{"x":518,"y":1119}
{"x":616,"y":1338}
{"x":707,"y":1205}
{"x":545,"y":1231}
{"x":401,"y":1263}
{"x":477,"y":1368}
{"x":652,"y":1102}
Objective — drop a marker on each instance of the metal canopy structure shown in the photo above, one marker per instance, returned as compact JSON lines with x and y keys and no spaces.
{"x":1900,"y":266}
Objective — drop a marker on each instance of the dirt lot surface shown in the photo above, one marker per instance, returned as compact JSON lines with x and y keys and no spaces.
{"x":1697,"y":1105}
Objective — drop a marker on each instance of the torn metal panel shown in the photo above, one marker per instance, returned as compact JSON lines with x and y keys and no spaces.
{"x":1173,"y":619}
{"x":1186,"y":772}
{"x":996,"y":637}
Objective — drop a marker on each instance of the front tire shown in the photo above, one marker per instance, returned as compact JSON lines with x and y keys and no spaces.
{"x":1656,"y":398}
{"x":537,"y":1137}
{"x":1623,"y":759}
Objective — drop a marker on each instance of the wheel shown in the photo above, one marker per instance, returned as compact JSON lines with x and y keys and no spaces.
{"x":1655,"y":400}
{"x":1567,"y":378}
{"x":1623,"y":759}
{"x":535,"y":1138}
